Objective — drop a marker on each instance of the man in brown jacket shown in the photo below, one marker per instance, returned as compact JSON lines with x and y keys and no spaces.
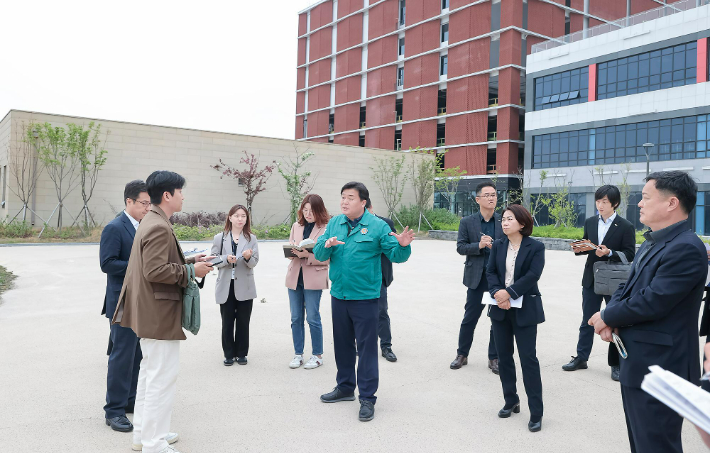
{"x":151,"y":305}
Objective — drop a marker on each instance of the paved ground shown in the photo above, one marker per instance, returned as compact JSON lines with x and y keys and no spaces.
{"x":53,"y":369}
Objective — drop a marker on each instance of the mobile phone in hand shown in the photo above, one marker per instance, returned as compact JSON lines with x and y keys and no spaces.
{"x":215,"y":261}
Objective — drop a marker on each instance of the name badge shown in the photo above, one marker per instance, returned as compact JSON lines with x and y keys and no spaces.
{"x":363,"y":231}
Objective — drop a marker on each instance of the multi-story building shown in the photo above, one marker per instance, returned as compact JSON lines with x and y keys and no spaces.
{"x":437,"y":74}
{"x":646,"y":107}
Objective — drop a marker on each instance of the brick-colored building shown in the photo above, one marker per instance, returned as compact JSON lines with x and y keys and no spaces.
{"x":441,"y":74}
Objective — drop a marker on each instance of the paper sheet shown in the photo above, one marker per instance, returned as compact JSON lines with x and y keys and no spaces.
{"x":680,"y":395}
{"x":488,"y":300}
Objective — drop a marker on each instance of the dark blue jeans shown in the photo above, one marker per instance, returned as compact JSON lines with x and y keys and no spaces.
{"x":472,"y":313}
{"x":356,"y":321}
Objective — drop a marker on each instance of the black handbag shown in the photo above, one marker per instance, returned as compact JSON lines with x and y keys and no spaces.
{"x":608,"y":276}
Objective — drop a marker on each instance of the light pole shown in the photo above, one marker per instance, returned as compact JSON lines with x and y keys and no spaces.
{"x":647,"y":149}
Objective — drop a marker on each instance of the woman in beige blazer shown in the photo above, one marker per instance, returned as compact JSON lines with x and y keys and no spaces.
{"x":306,"y":279}
{"x":235,"y":290}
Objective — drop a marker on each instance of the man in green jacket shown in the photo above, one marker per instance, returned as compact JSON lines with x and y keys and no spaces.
{"x":353,"y":242}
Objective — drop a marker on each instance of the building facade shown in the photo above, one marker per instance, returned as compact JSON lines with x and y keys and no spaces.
{"x":136,"y":150}
{"x":647,"y":108}
{"x":439,"y":74}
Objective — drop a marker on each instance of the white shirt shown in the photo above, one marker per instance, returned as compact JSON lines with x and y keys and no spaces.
{"x":133,"y":221}
{"x":603,"y":228}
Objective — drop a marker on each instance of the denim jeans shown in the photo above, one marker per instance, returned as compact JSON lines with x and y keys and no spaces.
{"x":308,"y":301}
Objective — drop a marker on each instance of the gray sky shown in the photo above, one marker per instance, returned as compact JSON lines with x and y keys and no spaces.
{"x":226,"y":66}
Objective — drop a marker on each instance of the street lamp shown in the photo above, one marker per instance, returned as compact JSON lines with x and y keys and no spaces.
{"x":647,"y":149}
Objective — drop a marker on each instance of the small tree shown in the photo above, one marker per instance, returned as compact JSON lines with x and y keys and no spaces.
{"x":536,"y":206}
{"x":92,"y":157}
{"x":560,"y":207}
{"x":297,"y":183}
{"x":62,"y":164}
{"x":422,"y":174}
{"x":390,"y":175}
{"x":253,"y":179}
{"x":25,"y":166}
{"x":447,"y":183}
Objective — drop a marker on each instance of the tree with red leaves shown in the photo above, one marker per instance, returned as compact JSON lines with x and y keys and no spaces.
{"x":253,"y":179}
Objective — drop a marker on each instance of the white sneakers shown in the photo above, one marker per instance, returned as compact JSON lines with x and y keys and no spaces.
{"x":313,"y":362}
{"x":171,"y":438}
{"x":296,"y":362}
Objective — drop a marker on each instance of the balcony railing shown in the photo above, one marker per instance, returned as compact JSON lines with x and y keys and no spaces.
{"x":441,"y":142}
{"x":362,"y":125}
{"x":492,"y":102}
{"x":399,"y":119}
{"x":398,"y":144}
{"x":491,"y":170}
{"x":442,"y":110}
{"x":652,"y":14}
{"x":492,"y":136}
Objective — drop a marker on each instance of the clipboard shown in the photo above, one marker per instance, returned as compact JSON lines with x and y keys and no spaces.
{"x":488,"y":300}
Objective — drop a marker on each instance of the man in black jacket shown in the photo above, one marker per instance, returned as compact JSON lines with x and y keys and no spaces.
{"x":655,"y":313}
{"x":125,"y":356}
{"x":614,"y":235}
{"x":384,"y":330}
{"x":476,"y":235}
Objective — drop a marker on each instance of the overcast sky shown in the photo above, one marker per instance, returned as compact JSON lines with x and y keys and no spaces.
{"x":226,"y":66}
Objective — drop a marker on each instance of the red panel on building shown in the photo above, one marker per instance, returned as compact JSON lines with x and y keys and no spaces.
{"x":299,"y":127}
{"x":472,"y":159}
{"x":507,"y":158}
{"x":301,"y":60}
{"x":576,"y":22}
{"x":300,"y":78}
{"x":347,"y":118}
{"x":421,"y":133}
{"x":469,"y":57}
{"x":348,"y":89}
{"x":349,"y":32}
{"x":318,"y":123}
{"x":472,"y":21}
{"x":702,"y":60}
{"x":420,"y":103}
{"x":319,"y":98}
{"x":508,"y":124}
{"x":510,"y":44}
{"x":381,"y":111}
{"x":382,"y":137}
{"x":352,"y":139}
{"x":321,"y":44}
{"x":302,"y":24}
{"x":421,"y":38}
{"x":592,"y":82}
{"x":321,"y":15}
{"x":470,"y":93}
{"x":346,"y":7}
{"x":608,"y":10}
{"x":349,"y":62}
{"x":638,"y":6}
{"x":421,"y":70}
{"x":383,"y":18}
{"x":382,"y":51}
{"x":300,"y":102}
{"x":468,"y":128}
{"x":511,"y":13}
{"x":381,"y":81}
{"x":509,"y":83}
{"x":454,"y":4}
{"x":419,"y":10}
{"x":547,"y":19}
{"x":319,"y":72}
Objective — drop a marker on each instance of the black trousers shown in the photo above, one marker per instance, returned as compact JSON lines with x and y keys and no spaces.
{"x":123,"y":366}
{"x":652,"y":426}
{"x":355,"y":321}
{"x":236,"y":315}
{"x":526,"y":338}
{"x":472,"y":313}
{"x":592,"y":303}
{"x":384,"y":330}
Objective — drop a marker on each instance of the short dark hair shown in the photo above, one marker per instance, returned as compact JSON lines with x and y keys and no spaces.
{"x":482,"y":185}
{"x":611,"y":192}
{"x":134,"y":189}
{"x":368,"y":205}
{"x":363,"y":193}
{"x":162,"y":181}
{"x":679,"y":184}
{"x":523,"y":217}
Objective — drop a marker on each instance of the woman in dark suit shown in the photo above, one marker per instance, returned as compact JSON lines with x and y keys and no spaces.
{"x":514,"y":268}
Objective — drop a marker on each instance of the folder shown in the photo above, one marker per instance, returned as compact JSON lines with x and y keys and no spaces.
{"x":306,"y":244}
{"x":488,"y":300}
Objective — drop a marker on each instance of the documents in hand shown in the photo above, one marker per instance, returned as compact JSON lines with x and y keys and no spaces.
{"x":584,"y":245}
{"x":488,"y":300}
{"x":306,"y":244}
{"x":680,"y":395}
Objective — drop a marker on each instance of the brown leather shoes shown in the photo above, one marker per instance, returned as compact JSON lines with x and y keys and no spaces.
{"x":459,"y":362}
{"x":493,"y":365}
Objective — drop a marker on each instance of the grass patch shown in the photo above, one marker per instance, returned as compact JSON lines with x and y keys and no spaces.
{"x":203,"y":233}
{"x":6,"y":278}
{"x":550,"y":231}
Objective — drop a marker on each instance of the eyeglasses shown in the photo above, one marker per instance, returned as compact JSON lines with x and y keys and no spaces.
{"x":488,"y":195}
{"x":144,"y":203}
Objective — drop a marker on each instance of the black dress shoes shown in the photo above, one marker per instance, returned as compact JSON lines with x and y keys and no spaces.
{"x":458,"y":362}
{"x":388,"y":354}
{"x":535,"y":424}
{"x":367,"y":411}
{"x":241,"y":360}
{"x":507,"y":411}
{"x":228,"y":362}
{"x":493,"y":366}
{"x":615,"y":373}
{"x":120,"y":423}
{"x":336,"y":396}
{"x":575,"y":364}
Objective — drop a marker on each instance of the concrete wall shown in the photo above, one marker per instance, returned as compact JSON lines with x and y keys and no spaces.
{"x":136,"y":150}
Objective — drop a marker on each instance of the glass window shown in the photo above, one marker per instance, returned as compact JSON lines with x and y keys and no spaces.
{"x":445,"y":32}
{"x":444,"y":65}
{"x":444,"y":4}
{"x":401,"y":47}
{"x":565,"y":88}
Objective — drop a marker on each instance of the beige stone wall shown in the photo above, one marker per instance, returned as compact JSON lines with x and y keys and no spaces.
{"x":136,"y":150}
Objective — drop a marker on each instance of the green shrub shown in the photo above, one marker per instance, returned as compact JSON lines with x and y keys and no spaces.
{"x":15,"y":229}
{"x":440,"y":219}
{"x":550,"y":231}
{"x":202,"y":233}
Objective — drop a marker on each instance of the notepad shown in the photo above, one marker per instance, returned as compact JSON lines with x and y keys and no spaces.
{"x":306,"y":244}
{"x":488,"y":300}
{"x":688,"y":400}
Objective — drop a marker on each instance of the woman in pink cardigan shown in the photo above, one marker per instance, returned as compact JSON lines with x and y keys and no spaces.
{"x":306,"y":279}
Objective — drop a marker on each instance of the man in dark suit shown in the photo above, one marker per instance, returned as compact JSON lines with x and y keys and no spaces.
{"x":383,"y":329}
{"x":614,"y":235}
{"x":125,"y":355}
{"x":476,"y":235}
{"x":655,"y":313}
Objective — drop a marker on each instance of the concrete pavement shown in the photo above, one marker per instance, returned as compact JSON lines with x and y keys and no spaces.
{"x":53,"y":369}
